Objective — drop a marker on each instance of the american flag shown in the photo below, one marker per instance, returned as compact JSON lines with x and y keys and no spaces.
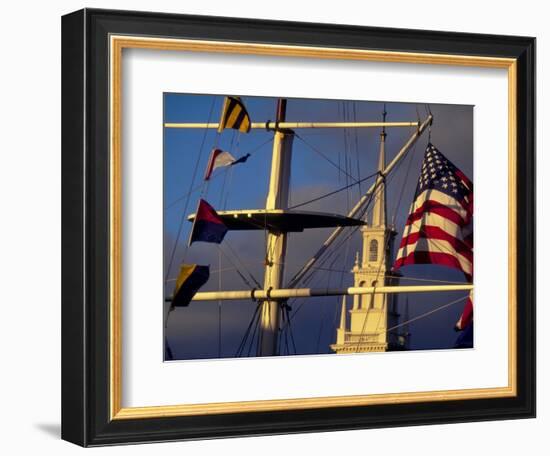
{"x":438,"y":229}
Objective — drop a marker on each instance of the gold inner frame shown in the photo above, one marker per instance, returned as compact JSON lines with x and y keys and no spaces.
{"x":117,"y":44}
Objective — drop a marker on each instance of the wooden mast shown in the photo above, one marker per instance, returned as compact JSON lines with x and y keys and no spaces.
{"x":277,"y":198}
{"x":294,"y":125}
{"x":286,"y":293}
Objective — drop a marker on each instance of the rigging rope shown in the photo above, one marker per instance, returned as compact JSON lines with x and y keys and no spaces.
{"x":426,"y":314}
{"x":339,"y":152}
{"x":446,"y":282}
{"x":301,"y":301}
{"x":243,"y":278}
{"x":314,"y":149}
{"x":216,"y":176}
{"x":243,"y":265}
{"x":346,"y":255}
{"x":180,"y":227}
{"x":247,"y":332}
{"x":290,"y":330}
{"x":334,"y":248}
{"x":346,"y":156}
{"x":224,"y":206}
{"x":356,"y":133}
{"x":326,"y":195}
{"x":324,"y":313}
{"x":222,"y":191}
{"x":404,"y":184}
{"x":256,"y":329}
{"x":285,"y":331}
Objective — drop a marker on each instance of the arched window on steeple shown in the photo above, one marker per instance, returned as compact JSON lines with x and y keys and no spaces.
{"x":373,"y":250}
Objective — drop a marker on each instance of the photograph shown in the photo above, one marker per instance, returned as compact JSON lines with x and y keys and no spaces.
{"x":297,"y":226}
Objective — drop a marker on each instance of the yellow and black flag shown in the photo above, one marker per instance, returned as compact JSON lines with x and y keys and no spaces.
{"x":190,"y":279}
{"x":234,"y":115}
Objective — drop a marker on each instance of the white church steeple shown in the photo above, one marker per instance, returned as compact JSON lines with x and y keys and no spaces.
{"x":372,"y":315}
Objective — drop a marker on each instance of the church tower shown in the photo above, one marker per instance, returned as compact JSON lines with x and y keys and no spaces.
{"x":371,"y":315}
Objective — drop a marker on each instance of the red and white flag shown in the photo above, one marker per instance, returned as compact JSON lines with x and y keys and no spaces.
{"x":218,"y":158}
{"x":438,"y":229}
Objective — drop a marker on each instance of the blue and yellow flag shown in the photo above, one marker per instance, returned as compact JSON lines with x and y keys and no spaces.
{"x":189,"y":281}
{"x":234,"y":115}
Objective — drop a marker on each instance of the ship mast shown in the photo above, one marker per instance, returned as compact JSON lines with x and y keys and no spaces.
{"x":277,"y":198}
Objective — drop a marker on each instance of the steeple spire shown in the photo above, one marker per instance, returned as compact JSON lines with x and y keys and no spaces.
{"x":371,"y":316}
{"x":379,"y":210}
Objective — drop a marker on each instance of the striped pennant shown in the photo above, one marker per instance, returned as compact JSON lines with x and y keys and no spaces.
{"x":234,"y":115}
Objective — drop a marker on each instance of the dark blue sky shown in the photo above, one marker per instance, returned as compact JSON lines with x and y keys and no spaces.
{"x":193,"y":332}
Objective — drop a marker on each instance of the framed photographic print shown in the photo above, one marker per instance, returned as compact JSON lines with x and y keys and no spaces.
{"x":269,"y":227}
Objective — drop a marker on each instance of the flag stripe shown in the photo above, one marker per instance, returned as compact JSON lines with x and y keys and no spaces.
{"x":435,"y":232}
{"x":424,"y":245}
{"x":207,"y":231}
{"x":231,"y":103}
{"x":211,"y":161}
{"x":223,"y":159}
{"x":233,"y":115}
{"x":207,"y":226}
{"x":245,"y":125}
{"x":240,"y":118}
{"x":433,"y":219}
{"x":444,"y":200}
{"x":436,"y":208}
{"x":190,"y":279}
{"x":207,"y":213}
{"x":431,"y":257}
{"x":463,"y":206}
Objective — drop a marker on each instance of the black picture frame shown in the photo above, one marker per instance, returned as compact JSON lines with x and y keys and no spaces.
{"x":86,"y":415}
